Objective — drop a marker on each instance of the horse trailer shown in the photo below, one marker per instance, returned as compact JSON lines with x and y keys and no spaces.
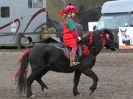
{"x":24,"y":17}
{"x":116,"y":15}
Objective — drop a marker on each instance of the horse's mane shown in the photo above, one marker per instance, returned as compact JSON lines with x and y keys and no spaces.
{"x":85,"y":38}
{"x":105,"y":31}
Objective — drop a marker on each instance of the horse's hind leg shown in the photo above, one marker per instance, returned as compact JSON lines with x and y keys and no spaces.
{"x":35,"y":76}
{"x":30,"y":80}
{"x":39,"y":80}
{"x":43,"y":85}
{"x":76,"y":82}
{"x":92,"y":75}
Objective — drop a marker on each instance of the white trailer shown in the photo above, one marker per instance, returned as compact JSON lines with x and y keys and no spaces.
{"x":115,"y":14}
{"x":21,"y":16}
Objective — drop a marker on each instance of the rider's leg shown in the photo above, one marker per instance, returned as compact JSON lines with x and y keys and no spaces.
{"x":73,"y":56}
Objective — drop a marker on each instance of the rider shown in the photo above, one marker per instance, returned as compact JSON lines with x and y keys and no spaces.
{"x":70,"y":35}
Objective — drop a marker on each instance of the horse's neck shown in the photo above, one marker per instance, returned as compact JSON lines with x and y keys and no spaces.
{"x":97,"y":45}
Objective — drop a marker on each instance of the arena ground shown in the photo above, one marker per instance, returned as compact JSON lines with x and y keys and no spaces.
{"x":115,"y":72}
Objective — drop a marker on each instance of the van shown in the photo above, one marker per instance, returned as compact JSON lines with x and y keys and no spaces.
{"x":116,"y":14}
{"x":21,"y":16}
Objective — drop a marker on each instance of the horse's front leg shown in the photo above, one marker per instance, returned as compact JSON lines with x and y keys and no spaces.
{"x":92,"y":75}
{"x":77,"y":75}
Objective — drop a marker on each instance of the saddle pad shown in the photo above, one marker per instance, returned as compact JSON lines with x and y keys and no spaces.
{"x":64,"y":49}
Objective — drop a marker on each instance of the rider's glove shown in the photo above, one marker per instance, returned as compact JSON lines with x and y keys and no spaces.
{"x":79,"y":38}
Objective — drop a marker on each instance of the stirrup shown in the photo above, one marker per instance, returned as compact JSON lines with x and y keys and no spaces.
{"x":75,"y":63}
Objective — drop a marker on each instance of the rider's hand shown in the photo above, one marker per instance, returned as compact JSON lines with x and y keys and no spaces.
{"x":79,"y":38}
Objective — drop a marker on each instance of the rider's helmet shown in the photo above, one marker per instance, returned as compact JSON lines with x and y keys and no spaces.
{"x":68,"y":10}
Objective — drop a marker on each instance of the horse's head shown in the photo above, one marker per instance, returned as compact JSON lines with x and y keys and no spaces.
{"x":109,"y":39}
{"x":98,"y":39}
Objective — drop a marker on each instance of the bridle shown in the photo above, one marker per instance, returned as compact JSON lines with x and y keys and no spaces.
{"x":106,"y":38}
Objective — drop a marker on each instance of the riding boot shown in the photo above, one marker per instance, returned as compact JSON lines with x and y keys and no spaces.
{"x":73,"y":60}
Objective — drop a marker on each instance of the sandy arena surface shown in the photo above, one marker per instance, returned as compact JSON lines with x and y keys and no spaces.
{"x":115,"y":72}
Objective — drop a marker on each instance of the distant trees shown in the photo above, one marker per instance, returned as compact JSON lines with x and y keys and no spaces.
{"x":87,"y":8}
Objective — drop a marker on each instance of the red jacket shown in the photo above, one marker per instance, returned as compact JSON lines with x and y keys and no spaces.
{"x":70,"y":37}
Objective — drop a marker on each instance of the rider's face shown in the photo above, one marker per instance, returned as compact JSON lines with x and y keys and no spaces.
{"x":73,"y":14}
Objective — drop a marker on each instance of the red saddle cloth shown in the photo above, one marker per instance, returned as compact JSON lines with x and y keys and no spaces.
{"x":63,"y":48}
{"x":83,"y":51}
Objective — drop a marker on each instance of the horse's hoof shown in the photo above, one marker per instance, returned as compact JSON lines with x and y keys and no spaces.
{"x":76,"y":93}
{"x":45,"y":92}
{"x":32,"y":96}
{"x":92,"y":89}
{"x":91,"y":92}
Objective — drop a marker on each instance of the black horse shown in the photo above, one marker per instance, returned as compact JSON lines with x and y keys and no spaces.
{"x":45,"y":57}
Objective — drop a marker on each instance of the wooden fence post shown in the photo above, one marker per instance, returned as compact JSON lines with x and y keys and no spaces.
{"x":19,"y":40}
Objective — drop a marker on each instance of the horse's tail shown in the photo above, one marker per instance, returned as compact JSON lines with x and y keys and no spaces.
{"x":21,"y":73}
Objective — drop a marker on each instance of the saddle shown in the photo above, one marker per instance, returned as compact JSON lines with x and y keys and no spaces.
{"x":66,"y":50}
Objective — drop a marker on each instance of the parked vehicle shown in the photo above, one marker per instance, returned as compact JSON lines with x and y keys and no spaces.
{"x":21,"y":16}
{"x":116,"y":14}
